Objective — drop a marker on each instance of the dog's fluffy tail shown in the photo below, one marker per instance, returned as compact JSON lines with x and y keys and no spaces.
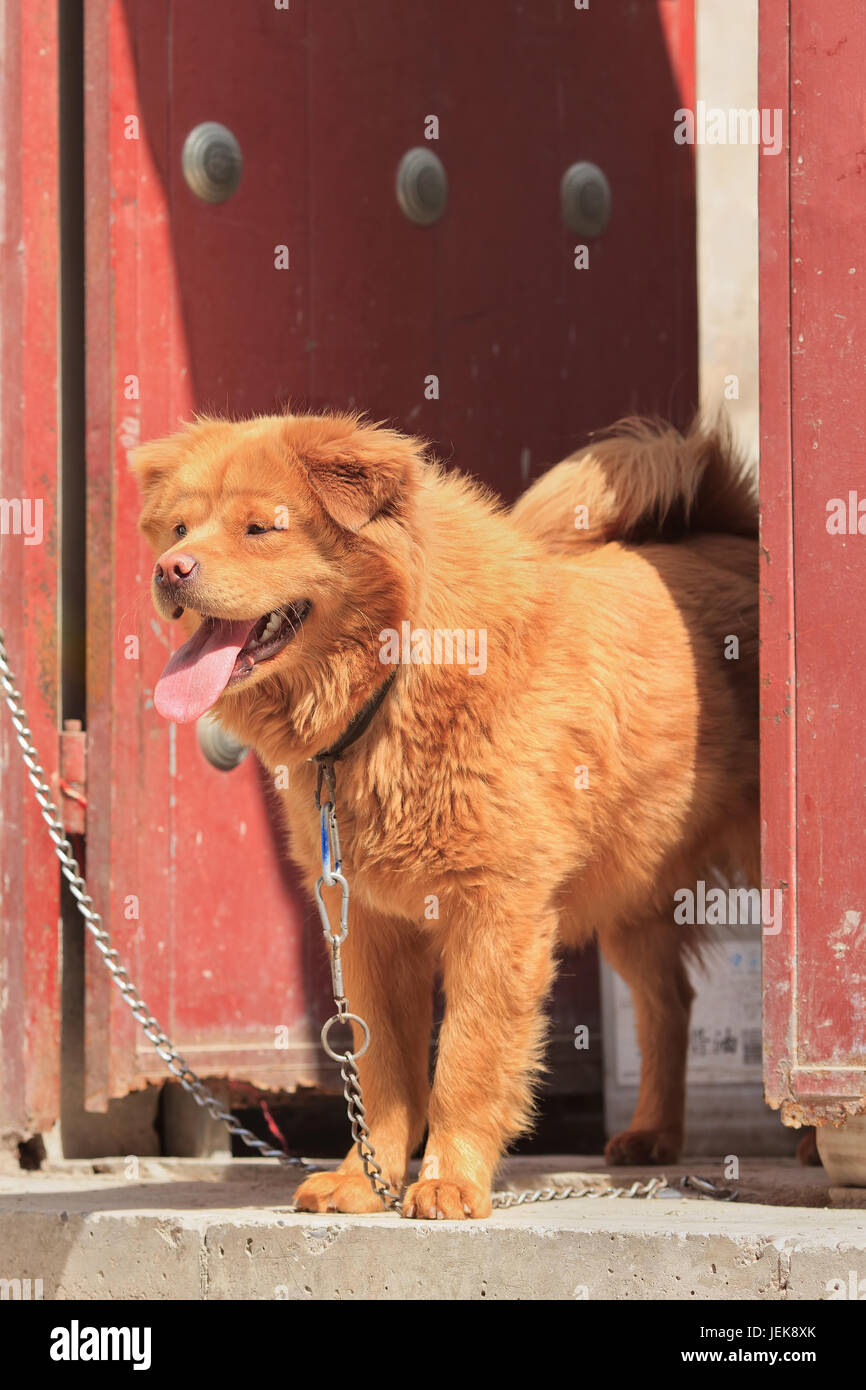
{"x":642,"y":480}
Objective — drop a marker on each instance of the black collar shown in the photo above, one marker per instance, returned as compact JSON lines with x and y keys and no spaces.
{"x":356,"y":726}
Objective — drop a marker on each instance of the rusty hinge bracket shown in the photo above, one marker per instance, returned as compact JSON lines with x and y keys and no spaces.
{"x":73,"y":776}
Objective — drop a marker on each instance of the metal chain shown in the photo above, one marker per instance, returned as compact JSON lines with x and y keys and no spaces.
{"x":361,"y":1135}
{"x":332,"y":864}
{"x":504,"y":1200}
{"x":688,"y":1185}
{"x":177,"y":1064}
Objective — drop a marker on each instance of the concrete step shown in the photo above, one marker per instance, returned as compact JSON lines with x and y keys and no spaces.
{"x":216,"y":1229}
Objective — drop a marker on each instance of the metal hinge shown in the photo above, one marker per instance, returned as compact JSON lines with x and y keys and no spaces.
{"x":73,"y":776}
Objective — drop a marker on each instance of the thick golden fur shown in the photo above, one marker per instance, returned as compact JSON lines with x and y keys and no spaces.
{"x":605,"y":651}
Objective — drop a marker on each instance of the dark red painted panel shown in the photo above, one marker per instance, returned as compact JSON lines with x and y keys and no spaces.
{"x":217,"y":944}
{"x":828,"y":385}
{"x":29,"y":873}
{"x":814,"y":592}
{"x":531,"y":353}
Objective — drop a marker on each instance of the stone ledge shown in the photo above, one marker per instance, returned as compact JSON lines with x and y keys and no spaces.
{"x":198,"y":1229}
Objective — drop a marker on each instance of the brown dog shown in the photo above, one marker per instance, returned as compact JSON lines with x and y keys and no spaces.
{"x":576,"y":747}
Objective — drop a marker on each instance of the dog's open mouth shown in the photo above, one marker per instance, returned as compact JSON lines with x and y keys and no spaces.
{"x":220,"y":653}
{"x":270,"y":634}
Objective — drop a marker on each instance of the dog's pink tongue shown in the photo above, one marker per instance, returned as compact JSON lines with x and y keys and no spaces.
{"x":199,"y":671}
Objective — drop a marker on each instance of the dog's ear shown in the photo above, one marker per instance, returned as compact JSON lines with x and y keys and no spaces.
{"x":358,"y":475}
{"x":152,"y":465}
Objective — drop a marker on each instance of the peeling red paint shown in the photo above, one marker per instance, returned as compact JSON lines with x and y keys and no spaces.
{"x":29,"y":874}
{"x":813,"y":764}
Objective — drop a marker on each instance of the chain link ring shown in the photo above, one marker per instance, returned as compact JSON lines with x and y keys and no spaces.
{"x":345,"y":1018}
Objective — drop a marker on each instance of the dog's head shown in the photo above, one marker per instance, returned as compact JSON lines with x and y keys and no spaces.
{"x":289,"y":538}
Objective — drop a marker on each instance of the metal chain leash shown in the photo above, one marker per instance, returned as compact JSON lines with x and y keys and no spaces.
{"x":175,"y":1062}
{"x":654,"y":1187}
{"x":331,"y":876}
{"x":504,"y":1200}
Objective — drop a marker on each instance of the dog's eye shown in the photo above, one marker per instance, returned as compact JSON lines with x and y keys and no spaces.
{"x":256,"y":529}
{"x":180,"y":530}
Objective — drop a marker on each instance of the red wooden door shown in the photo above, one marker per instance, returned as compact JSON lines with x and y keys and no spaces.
{"x":813,"y":384}
{"x":29,"y":558}
{"x":310,"y":284}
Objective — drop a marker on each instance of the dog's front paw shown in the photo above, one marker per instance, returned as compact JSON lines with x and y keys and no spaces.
{"x":337,"y":1192}
{"x":438,"y":1199}
{"x":644,"y":1146}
